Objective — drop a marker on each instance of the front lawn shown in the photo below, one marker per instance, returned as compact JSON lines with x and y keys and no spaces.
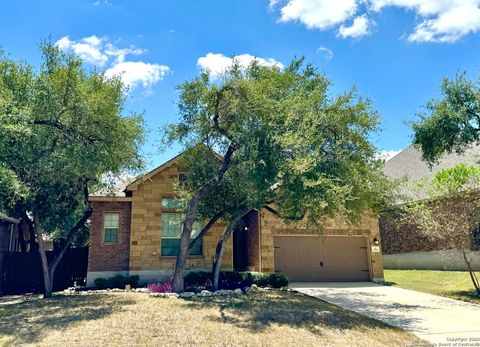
{"x":135,"y":319}
{"x":453,"y":284}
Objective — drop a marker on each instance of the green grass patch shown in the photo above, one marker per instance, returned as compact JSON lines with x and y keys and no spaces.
{"x":452,"y":284}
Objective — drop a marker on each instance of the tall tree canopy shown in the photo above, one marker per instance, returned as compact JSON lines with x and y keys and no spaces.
{"x":452,"y":122}
{"x":284,"y":140}
{"x":61,"y":129}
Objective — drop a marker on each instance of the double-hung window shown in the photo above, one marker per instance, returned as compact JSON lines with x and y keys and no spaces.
{"x":172,"y":229}
{"x":110,"y":227}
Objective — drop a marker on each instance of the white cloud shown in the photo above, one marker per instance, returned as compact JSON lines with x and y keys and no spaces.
{"x":317,"y":14}
{"x":437,"y":20}
{"x":135,"y":73}
{"x":358,"y":28}
{"x":217,"y":63}
{"x":387,"y":154}
{"x":327,"y":52}
{"x":99,"y":51}
{"x":88,"y":49}
{"x":441,"y":20}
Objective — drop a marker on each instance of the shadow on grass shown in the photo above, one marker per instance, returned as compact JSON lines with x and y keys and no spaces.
{"x":465,"y":295}
{"x":27,"y":321}
{"x":258,"y":312}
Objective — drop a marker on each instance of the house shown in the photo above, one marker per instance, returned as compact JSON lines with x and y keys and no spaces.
{"x":136,"y":231}
{"x":405,"y":247}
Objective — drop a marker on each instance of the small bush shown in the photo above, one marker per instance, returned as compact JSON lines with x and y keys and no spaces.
{"x":277,"y":280}
{"x":164,"y":287}
{"x":101,"y":283}
{"x":117,"y":281}
{"x":197,"y":279}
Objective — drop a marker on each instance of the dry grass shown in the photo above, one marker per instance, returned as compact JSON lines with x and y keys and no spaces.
{"x":134,"y":319}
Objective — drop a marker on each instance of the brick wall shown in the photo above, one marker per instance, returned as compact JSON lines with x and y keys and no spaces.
{"x":109,"y":257}
{"x":401,"y":235}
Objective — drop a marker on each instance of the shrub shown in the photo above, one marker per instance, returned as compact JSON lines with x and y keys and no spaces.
{"x":101,"y":283}
{"x":164,"y":287}
{"x":277,"y":280}
{"x":197,"y":279}
{"x":117,"y":281}
{"x":232,"y":280}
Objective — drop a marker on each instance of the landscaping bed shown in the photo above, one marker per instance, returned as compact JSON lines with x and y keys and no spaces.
{"x":452,"y":284}
{"x":263,"y":318}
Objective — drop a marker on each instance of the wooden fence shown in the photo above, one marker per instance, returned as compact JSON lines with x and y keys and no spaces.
{"x":22,"y":272}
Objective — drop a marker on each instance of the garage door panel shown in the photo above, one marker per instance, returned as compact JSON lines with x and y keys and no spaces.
{"x":321,"y":258}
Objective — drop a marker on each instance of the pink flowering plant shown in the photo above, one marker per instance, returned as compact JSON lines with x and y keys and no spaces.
{"x":163,"y":287}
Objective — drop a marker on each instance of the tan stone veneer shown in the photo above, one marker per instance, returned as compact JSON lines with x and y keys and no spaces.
{"x":146,"y":229}
{"x":270,"y":225}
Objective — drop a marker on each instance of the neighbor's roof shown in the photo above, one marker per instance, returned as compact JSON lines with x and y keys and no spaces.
{"x":4,"y":217}
{"x":409,"y":165}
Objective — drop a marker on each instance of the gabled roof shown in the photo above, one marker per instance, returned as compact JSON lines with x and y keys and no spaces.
{"x":142,"y":178}
{"x":409,"y":165}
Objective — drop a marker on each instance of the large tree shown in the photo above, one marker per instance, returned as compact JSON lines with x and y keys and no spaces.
{"x":452,"y":122}
{"x":285,"y":140}
{"x":61,"y":129}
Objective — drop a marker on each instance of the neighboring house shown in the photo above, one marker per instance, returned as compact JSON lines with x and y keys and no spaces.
{"x":136,"y":231}
{"x":8,"y":238}
{"x":405,"y":247}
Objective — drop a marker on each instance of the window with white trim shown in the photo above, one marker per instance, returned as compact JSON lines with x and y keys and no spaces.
{"x":171,"y":232}
{"x":111,"y":222}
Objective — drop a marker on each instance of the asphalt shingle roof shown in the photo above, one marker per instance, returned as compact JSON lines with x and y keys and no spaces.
{"x":409,"y":165}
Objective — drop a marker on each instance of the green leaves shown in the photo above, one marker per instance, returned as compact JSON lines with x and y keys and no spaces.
{"x":460,"y":179}
{"x":452,"y":122}
{"x":61,"y":129}
{"x":297,"y":145}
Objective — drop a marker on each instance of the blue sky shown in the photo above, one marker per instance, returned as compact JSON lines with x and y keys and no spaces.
{"x":395,"y":51}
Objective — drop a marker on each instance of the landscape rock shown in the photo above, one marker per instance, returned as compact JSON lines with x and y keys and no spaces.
{"x":142,"y":290}
{"x":187,"y":295}
{"x":224,"y":292}
{"x":205,"y":293}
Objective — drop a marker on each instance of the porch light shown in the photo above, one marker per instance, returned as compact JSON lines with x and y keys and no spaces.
{"x":375,"y":241}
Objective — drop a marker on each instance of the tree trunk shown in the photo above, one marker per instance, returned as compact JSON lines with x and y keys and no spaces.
{"x":473,"y":277}
{"x":177,"y":280}
{"x":217,"y":260}
{"x":49,"y":270}
{"x":47,"y":279}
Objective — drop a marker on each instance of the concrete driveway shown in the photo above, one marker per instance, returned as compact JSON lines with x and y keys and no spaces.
{"x":430,"y":317}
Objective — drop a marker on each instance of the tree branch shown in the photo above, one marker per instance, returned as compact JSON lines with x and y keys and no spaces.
{"x":67,"y":131}
{"x":71,"y":233}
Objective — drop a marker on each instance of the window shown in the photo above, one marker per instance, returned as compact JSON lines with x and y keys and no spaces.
{"x":110,"y":227}
{"x":171,"y":231}
{"x":171,"y":203}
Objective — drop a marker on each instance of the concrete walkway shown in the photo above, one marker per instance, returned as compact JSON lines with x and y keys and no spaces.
{"x":430,"y":317}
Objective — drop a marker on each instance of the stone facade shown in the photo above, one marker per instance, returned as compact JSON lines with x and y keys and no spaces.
{"x":270,"y":226}
{"x":138,"y":250}
{"x":146,"y":233}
